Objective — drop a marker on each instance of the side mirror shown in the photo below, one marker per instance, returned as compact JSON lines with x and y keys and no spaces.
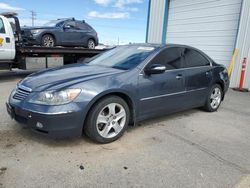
{"x":155,"y":69}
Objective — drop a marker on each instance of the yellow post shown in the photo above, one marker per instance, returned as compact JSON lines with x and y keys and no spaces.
{"x":1,"y":41}
{"x":230,"y":68}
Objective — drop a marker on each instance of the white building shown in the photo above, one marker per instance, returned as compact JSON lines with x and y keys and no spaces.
{"x":215,"y":26}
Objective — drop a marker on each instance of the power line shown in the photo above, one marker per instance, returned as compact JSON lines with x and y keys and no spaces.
{"x":33,"y":16}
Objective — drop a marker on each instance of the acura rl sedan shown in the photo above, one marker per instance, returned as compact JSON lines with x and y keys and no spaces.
{"x":122,"y":86}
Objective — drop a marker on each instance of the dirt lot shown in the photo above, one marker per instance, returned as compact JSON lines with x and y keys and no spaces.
{"x":187,"y":149}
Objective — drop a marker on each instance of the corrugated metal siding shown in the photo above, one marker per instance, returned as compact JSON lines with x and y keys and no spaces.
{"x":243,"y":44}
{"x":156,"y":17}
{"x":210,"y":25}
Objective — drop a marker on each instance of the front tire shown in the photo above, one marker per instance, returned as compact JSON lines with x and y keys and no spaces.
{"x":107,"y":120}
{"x":48,"y":41}
{"x":214,"y":98}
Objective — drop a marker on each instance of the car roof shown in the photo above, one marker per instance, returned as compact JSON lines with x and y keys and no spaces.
{"x":71,"y":19}
{"x":160,"y":45}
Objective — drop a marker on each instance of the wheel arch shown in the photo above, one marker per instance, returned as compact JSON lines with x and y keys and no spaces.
{"x":126,"y":97}
{"x":221,"y":84}
{"x":49,"y":33}
{"x":92,"y":38}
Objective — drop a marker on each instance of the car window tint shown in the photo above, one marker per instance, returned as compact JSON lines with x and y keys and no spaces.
{"x":89,"y":27}
{"x":194,"y":58}
{"x":170,"y":57}
{"x":60,"y":24}
{"x":81,"y":26}
{"x":2,"y":29}
{"x":72,"y":24}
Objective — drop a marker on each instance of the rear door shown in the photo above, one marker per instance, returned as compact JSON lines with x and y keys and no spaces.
{"x":165,"y":92}
{"x":7,"y":43}
{"x":84,"y":32}
{"x":198,"y":76}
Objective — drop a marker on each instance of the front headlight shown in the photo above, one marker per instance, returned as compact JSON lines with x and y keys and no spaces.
{"x":56,"y":97}
{"x":35,"y":31}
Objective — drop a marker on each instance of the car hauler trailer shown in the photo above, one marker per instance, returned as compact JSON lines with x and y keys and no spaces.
{"x":14,"y":53}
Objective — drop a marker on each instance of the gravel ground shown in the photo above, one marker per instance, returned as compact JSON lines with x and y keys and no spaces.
{"x":187,"y":149}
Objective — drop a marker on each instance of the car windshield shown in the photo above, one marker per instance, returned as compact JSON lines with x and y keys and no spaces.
{"x":53,"y":23}
{"x":123,"y":57}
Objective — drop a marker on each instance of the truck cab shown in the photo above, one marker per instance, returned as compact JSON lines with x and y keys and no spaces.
{"x":7,"y":41}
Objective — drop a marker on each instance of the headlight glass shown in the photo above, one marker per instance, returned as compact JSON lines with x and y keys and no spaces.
{"x":56,"y":97}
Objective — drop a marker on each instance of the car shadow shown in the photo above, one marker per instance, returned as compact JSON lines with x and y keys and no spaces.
{"x":27,"y":134}
{"x":53,"y":142}
{"x":164,"y":119}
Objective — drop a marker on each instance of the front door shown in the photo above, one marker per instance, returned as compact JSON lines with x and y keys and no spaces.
{"x":70,"y":34}
{"x":165,"y":92}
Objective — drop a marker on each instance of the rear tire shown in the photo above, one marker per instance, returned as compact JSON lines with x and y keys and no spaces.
{"x":107,"y":120}
{"x":91,"y":44}
{"x":214,"y":98}
{"x":48,"y":41}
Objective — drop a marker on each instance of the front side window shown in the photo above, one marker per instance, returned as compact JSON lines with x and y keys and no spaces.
{"x":170,"y":57}
{"x":2,"y":29}
{"x":72,"y":24}
{"x":194,"y":58}
{"x":60,"y":24}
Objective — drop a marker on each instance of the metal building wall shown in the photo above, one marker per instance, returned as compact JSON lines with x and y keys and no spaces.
{"x":227,"y":23}
{"x":209,"y":25}
{"x":155,"y":21}
{"x":243,"y":45}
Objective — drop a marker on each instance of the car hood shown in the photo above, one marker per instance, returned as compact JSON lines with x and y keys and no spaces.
{"x":37,"y":27}
{"x":66,"y":76}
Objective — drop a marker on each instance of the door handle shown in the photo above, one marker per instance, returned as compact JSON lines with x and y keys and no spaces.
{"x":178,"y":77}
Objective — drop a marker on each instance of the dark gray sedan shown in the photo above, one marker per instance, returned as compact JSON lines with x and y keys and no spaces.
{"x":122,"y":86}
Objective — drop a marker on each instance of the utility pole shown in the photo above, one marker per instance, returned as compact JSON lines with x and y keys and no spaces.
{"x":33,"y":16}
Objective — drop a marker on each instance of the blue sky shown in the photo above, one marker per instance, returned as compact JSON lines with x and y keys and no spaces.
{"x":123,"y":20}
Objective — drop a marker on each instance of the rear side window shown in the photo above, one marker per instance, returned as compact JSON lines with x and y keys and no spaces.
{"x":2,"y":29}
{"x":170,"y":57}
{"x":81,"y":26}
{"x":89,"y":27}
{"x":194,"y":58}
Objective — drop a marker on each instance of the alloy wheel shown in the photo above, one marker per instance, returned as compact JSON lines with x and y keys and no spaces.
{"x":111,"y":120}
{"x":215,"y":98}
{"x":48,"y":41}
{"x":91,"y":44}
